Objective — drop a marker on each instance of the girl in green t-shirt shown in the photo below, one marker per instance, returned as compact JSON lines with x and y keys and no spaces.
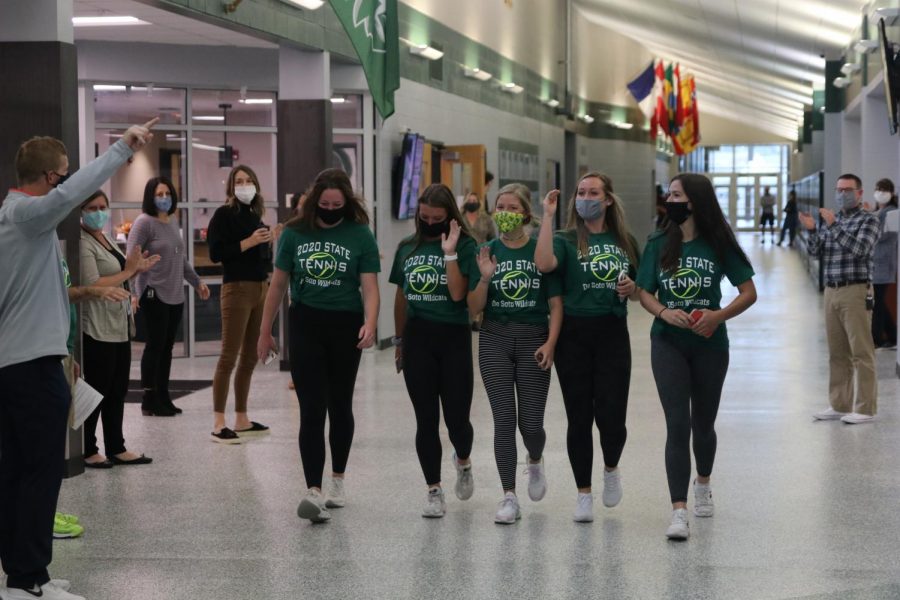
{"x":679,"y":282}
{"x":327,"y":254}
{"x":433,"y":340}
{"x":515,"y":346}
{"x":596,"y":257}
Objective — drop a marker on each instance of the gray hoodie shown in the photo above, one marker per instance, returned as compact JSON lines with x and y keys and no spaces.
{"x":34,"y":304}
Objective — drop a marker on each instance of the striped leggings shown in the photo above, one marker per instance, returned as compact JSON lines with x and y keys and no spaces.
{"x":509,"y":369}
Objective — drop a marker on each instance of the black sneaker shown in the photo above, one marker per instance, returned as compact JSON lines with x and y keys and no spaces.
{"x":226,"y":436}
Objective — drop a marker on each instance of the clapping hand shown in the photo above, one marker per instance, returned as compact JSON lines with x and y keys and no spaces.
{"x":551,"y":202}
{"x":449,"y":240}
{"x":487,"y":264}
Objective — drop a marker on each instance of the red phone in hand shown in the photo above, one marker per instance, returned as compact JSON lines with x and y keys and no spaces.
{"x":696,"y":314}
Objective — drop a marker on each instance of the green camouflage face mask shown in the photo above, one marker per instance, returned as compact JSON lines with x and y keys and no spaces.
{"x":508,"y":221}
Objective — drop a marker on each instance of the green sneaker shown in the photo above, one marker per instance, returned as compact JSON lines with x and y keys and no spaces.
{"x":71,"y":519}
{"x":63,"y":529}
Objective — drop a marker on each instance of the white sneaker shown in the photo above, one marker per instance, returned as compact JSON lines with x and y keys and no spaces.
{"x":857,"y":418}
{"x":465,"y":482}
{"x":829,"y":414}
{"x":336,"y":497}
{"x":48,"y":591}
{"x":679,"y":529}
{"x":584,"y":508}
{"x":312,"y":507}
{"x":435,"y":507}
{"x":508,"y":510}
{"x":537,"y":481}
{"x":612,"y":488}
{"x":703,"y":502}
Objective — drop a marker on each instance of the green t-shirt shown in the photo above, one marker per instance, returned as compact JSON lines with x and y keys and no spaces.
{"x":589,"y":283}
{"x":73,"y":316}
{"x":325,"y":264}
{"x":421,"y":274}
{"x":695,"y":284}
{"x":518,"y":292}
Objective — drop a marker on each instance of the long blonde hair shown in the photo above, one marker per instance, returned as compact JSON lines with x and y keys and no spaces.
{"x":616,"y":222}
{"x":523,"y":194}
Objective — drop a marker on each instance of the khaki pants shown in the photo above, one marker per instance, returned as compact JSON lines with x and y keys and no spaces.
{"x":242,"y":307}
{"x":849,"y":328}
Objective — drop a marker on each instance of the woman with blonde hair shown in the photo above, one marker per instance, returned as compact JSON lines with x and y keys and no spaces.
{"x":516,"y":344}
{"x":596,"y":257}
{"x":243,"y":244}
{"x":432,"y":270}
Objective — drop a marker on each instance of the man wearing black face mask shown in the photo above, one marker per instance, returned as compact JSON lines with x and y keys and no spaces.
{"x":845,"y":243}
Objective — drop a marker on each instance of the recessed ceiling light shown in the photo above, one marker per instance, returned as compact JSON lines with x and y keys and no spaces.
{"x":587,"y":119}
{"x":208,"y":117}
{"x":257,"y":101}
{"x":621,"y":124}
{"x":338,"y":100}
{"x":307,"y":4}
{"x":109,"y":88}
{"x":426,"y":51}
{"x":552,"y":102}
{"x":476,"y":73}
{"x":106,"y":21}
{"x":512,"y":88}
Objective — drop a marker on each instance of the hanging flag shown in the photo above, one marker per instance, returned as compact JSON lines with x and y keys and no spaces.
{"x":372,"y":26}
{"x":669,"y":93}
{"x":641,"y":87}
{"x":660,"y":116}
{"x":687,"y":138}
{"x":696,"y":112}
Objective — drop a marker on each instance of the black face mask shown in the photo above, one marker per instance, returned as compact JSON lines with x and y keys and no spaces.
{"x":330,"y":216}
{"x":678,"y":212}
{"x":433,"y":230}
{"x":471,"y":206}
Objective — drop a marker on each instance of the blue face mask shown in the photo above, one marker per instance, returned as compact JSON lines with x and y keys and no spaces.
{"x":95,"y":220}
{"x":163,"y":203}
{"x":589,"y":210}
{"x":845,"y":200}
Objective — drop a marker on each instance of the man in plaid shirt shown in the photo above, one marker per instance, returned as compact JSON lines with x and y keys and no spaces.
{"x":845,"y":243}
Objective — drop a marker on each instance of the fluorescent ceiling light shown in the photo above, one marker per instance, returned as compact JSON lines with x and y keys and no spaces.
{"x":587,"y":119}
{"x":840,"y":82}
{"x":864,"y":46}
{"x":850,"y":68}
{"x":208,"y":117}
{"x":207,"y":147}
{"x":552,"y":102}
{"x":426,"y":51}
{"x":257,"y":101}
{"x":109,"y":88}
{"x":307,"y":4}
{"x":476,"y":73}
{"x":106,"y":21}
{"x":512,"y":88}
{"x":620,"y":124}
{"x":338,"y":100}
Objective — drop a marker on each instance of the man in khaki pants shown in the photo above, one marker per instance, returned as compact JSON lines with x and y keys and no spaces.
{"x":845,"y":244}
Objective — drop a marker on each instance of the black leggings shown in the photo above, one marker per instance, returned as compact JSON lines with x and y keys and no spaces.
{"x":593,"y":363}
{"x":689,"y":378}
{"x":106,"y":369}
{"x":437,"y":368}
{"x":324,"y":361}
{"x":510,"y":373}
{"x":161,"y":323}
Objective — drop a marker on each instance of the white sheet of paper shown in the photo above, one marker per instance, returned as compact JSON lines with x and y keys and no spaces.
{"x":892,"y":221}
{"x":86,"y":400}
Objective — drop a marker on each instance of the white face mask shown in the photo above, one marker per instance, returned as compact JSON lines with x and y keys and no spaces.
{"x":245,"y":193}
{"x":882,"y":197}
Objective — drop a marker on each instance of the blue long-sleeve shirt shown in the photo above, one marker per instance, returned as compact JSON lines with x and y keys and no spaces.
{"x":34,"y":304}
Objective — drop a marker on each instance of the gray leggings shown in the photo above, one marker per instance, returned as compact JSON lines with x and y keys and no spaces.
{"x":689,"y":376}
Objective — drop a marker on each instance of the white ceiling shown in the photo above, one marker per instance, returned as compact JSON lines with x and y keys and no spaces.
{"x":165,"y":27}
{"x":755,"y":61}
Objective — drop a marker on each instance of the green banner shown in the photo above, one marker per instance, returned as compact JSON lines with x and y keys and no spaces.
{"x":374,"y":32}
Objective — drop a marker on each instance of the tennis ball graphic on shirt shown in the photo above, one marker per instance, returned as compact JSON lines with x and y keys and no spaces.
{"x":606,"y":267}
{"x":515,"y":285}
{"x":685,"y":284}
{"x":424,"y":279}
{"x":321,"y":265}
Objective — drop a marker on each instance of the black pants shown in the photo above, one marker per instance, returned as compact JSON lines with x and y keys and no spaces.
{"x":689,"y":379}
{"x":161,"y":323}
{"x":517,"y":390}
{"x":437,"y":368}
{"x":106,"y":367}
{"x":324,"y":362}
{"x":790,"y":227}
{"x":34,"y":412}
{"x":593,"y":363}
{"x":884,"y":330}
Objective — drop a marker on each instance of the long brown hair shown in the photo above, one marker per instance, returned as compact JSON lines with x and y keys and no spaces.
{"x":709,"y":221}
{"x":330,"y":179}
{"x":438,"y":195}
{"x":616,"y":222}
{"x":230,"y":200}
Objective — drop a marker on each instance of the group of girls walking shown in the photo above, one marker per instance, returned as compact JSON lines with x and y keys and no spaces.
{"x":555,"y":298}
